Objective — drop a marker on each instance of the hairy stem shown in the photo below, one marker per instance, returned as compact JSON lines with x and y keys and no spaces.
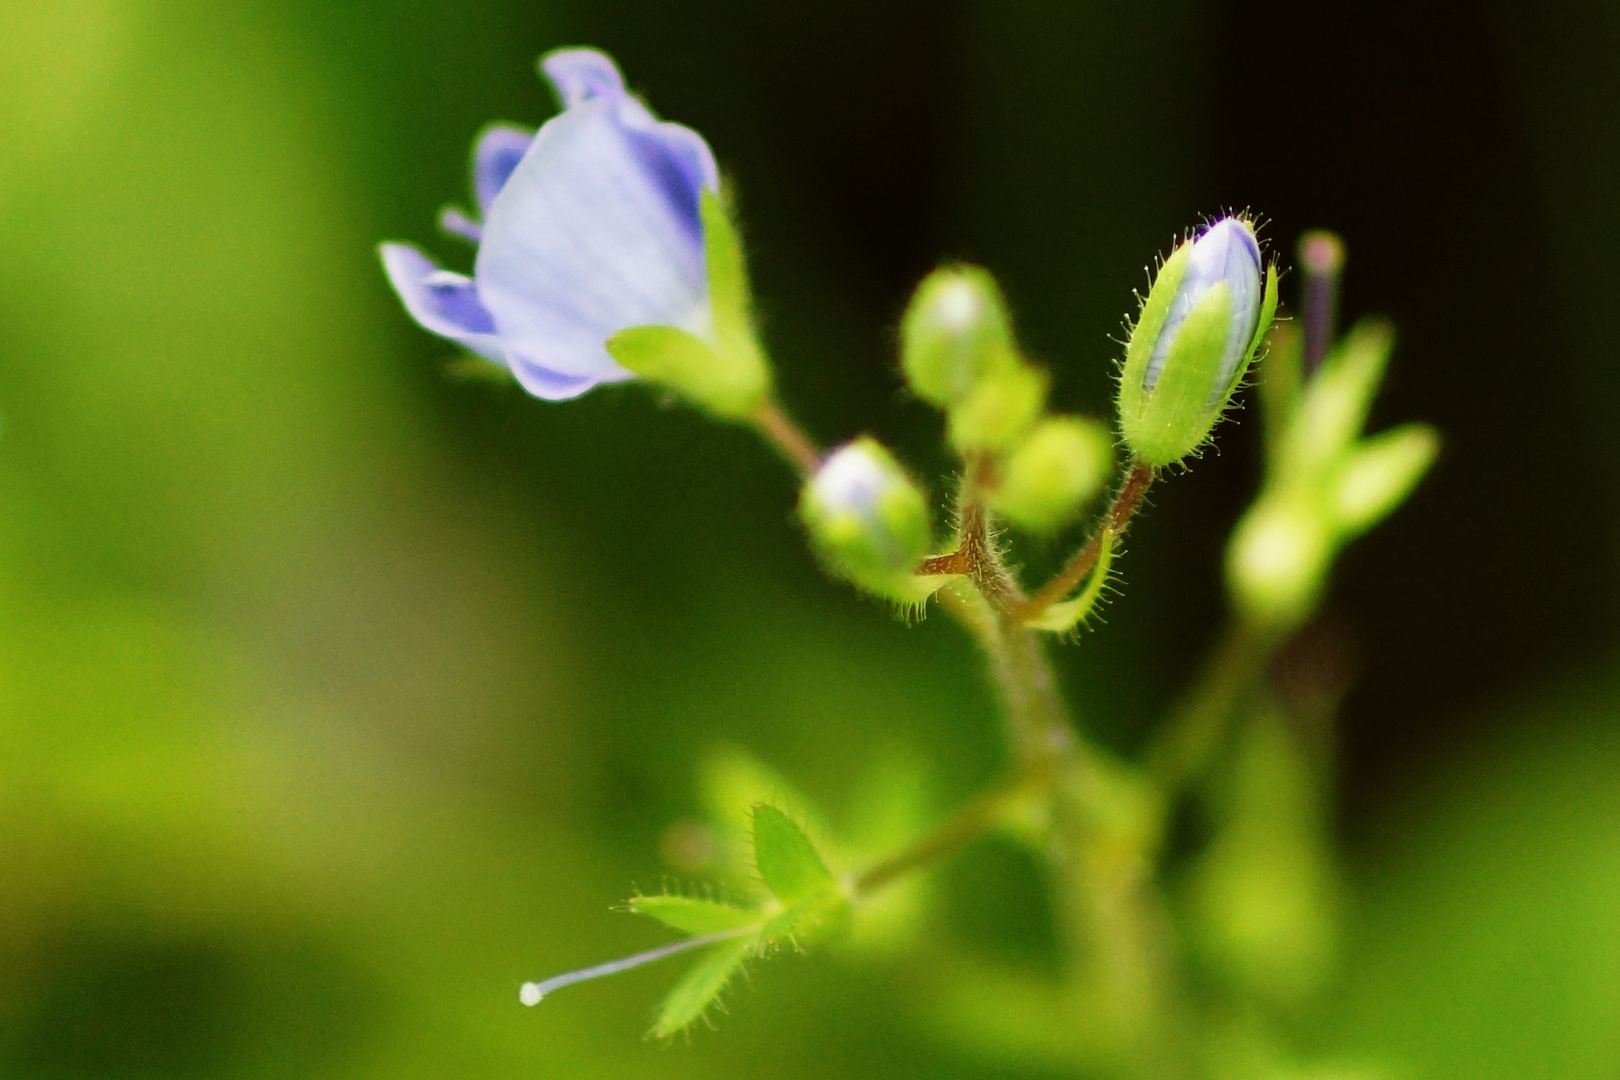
{"x":1102,"y":880}
{"x":1118,"y":516}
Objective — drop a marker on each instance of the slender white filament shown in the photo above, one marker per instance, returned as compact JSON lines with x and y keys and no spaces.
{"x":533,"y":992}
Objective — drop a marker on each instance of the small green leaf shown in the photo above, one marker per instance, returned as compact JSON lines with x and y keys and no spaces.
{"x":701,"y":986}
{"x":1337,"y":400}
{"x":786,"y":860}
{"x":1380,"y":473}
{"x":1066,"y":614}
{"x":693,"y":915}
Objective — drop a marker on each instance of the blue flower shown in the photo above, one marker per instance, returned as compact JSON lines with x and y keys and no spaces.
{"x":590,"y":227}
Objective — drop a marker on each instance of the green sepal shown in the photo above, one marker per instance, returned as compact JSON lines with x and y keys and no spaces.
{"x":1065,"y":615}
{"x":1268,"y":311}
{"x":692,"y":368}
{"x":1338,"y":399}
{"x":1380,"y":473}
{"x":694,"y":915}
{"x":1175,"y":418}
{"x":730,"y":300}
{"x":1155,"y":309}
{"x":702,"y":985}
{"x":787,"y":861}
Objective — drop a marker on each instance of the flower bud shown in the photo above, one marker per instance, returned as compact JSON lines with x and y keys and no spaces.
{"x":1042,"y":483}
{"x":869,"y":521}
{"x":1199,"y":328}
{"x":1278,"y":560}
{"x":954,"y":333}
{"x":1000,"y":409}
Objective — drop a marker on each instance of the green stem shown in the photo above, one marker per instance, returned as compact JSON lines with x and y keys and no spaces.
{"x":1189,"y":740}
{"x":974,"y":820}
{"x":1102,"y":881}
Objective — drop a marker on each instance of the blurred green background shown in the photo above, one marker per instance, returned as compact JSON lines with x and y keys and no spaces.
{"x":338,"y":698}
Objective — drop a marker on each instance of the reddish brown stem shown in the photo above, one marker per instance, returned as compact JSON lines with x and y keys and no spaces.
{"x":1115,"y":521}
{"x":776,"y":426}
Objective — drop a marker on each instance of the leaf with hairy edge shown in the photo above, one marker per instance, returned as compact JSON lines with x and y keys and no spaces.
{"x":695,"y":916}
{"x":786,"y":860}
{"x":701,"y":986}
{"x":1067,"y":614}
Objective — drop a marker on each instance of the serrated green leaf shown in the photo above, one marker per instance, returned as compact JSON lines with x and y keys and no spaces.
{"x":1067,"y":614}
{"x":786,"y":860}
{"x":693,"y":915}
{"x":701,"y":986}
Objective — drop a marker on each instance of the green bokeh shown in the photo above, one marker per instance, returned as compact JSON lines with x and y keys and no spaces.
{"x":338,"y":698}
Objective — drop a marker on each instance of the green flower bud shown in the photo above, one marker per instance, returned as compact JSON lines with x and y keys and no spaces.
{"x":1200,"y":326}
{"x":1278,"y":560}
{"x":1045,"y":481}
{"x":996,"y":412}
{"x":955,"y":332}
{"x":868,"y":521}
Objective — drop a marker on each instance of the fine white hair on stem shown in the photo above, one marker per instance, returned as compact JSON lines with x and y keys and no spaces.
{"x":532,"y":993}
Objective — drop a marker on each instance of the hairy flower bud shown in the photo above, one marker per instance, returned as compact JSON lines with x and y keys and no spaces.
{"x":1199,"y":328}
{"x":868,"y":520}
{"x":1042,"y":483}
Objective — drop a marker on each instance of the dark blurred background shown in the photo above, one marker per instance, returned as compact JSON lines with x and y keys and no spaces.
{"x":337,"y":697}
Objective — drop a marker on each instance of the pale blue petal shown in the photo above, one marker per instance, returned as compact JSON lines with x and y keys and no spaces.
{"x":551,"y":386}
{"x":581,"y":74}
{"x":445,"y":303}
{"x":597,"y":229}
{"x":454,"y":220}
{"x":496,"y":154}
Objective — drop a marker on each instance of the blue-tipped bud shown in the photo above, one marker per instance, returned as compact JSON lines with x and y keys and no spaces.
{"x":869,"y":521}
{"x":1200,"y":326}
